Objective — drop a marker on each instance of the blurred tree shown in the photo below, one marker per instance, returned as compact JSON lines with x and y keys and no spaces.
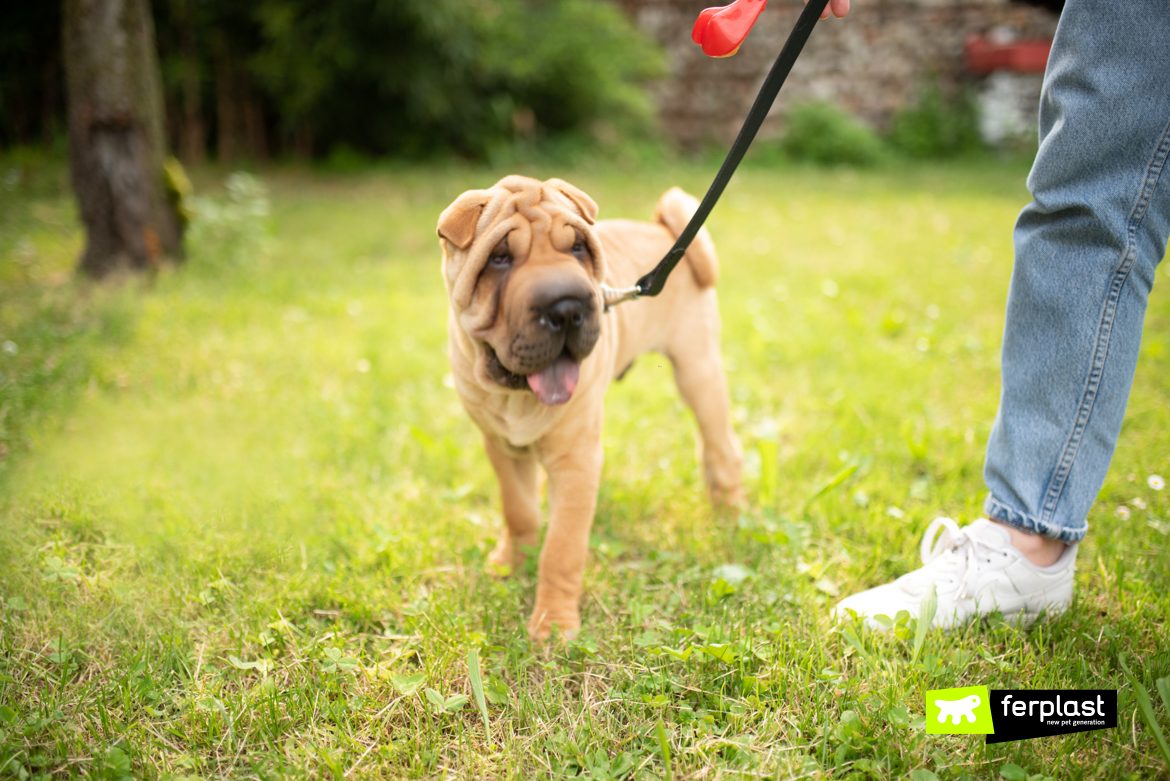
{"x":116,"y":141}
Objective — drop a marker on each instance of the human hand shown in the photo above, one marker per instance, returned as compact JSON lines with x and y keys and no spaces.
{"x":838,"y":7}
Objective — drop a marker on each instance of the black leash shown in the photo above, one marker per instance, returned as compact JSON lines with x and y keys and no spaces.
{"x":652,"y":283}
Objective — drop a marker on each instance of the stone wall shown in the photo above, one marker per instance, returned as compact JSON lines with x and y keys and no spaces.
{"x":871,"y":63}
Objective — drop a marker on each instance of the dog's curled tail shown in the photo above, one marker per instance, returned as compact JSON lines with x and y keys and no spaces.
{"x":674,"y":211}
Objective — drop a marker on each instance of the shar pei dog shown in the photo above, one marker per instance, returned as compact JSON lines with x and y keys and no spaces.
{"x":533,"y":348}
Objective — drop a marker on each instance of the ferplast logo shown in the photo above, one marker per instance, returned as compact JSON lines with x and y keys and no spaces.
{"x":1019,"y":714}
{"x":965,"y":711}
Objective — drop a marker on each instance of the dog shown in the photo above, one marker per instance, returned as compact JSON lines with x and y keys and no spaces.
{"x":532,"y":350}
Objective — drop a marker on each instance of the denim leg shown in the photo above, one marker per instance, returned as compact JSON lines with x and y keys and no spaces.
{"x":1087,"y":248}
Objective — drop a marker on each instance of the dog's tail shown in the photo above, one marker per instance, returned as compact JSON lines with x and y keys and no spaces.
{"x":674,"y":211}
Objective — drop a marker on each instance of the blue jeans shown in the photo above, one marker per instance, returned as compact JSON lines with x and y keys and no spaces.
{"x":1087,"y":248}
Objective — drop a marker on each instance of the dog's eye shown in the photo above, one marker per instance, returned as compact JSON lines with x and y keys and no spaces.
{"x":580,"y":247}
{"x":500,"y":257}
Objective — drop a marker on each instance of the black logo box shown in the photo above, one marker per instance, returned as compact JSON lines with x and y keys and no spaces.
{"x":1022,"y":714}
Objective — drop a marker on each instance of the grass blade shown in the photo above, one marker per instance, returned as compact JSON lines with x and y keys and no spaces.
{"x":839,"y":478}
{"x":664,"y":746}
{"x":769,"y":468}
{"x":476,"y":676}
{"x":1163,"y":685}
{"x":926,"y":613}
{"x":1147,"y":708}
{"x":852,"y":639}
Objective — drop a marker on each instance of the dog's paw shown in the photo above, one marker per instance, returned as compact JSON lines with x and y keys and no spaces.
{"x":500,"y":560}
{"x":567,"y":623}
{"x":510,"y":554}
{"x":728,"y":497}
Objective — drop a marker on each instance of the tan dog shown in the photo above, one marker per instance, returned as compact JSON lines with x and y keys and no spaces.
{"x":532,"y":351}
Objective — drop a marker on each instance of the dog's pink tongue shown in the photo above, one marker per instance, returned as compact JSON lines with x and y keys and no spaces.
{"x":555,"y":383}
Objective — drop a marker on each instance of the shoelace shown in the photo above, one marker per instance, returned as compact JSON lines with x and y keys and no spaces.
{"x":941,"y":542}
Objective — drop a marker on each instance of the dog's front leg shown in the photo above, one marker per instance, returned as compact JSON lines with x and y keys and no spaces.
{"x":520,"y":497}
{"x":573,"y":460}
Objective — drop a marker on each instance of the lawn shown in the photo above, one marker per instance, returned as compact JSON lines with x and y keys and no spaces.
{"x":245,"y":518}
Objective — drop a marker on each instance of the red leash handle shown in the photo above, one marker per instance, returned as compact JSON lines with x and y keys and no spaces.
{"x":721,"y":30}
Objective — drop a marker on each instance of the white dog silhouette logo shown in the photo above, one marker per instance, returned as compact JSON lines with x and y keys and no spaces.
{"x":957,"y":710}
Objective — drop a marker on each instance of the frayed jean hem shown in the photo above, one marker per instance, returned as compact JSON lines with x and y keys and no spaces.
{"x":998,"y":511}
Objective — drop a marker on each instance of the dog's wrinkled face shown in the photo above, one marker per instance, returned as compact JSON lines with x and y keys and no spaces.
{"x":523,"y":265}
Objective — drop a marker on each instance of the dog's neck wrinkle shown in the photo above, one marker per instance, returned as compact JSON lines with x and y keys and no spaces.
{"x":515,"y":417}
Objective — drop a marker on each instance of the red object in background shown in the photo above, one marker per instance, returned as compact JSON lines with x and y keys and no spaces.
{"x":721,"y":30}
{"x":984,"y":56}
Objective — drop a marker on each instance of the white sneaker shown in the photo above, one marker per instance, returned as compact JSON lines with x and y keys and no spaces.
{"x":975,"y":570}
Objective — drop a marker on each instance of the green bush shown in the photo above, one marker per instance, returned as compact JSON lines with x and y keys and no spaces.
{"x":940,"y":124}
{"x":418,"y":77}
{"x":230,"y":230}
{"x":824,"y":134}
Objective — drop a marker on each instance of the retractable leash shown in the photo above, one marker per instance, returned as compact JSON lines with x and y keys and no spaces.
{"x":721,"y":30}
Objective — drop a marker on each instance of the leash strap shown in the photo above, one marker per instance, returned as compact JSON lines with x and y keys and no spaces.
{"x":652,"y":283}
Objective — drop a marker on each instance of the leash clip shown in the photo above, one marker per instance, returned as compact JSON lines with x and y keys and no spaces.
{"x":618,"y":295}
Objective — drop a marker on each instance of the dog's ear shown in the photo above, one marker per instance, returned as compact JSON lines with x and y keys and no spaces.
{"x":586,"y":205}
{"x":457,"y":222}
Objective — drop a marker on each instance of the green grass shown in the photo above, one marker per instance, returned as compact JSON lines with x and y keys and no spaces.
{"x":242,"y":513}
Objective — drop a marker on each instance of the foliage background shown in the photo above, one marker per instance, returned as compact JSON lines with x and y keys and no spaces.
{"x":379,"y":77}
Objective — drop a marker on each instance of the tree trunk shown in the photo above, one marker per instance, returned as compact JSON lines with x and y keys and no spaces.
{"x":116,"y":141}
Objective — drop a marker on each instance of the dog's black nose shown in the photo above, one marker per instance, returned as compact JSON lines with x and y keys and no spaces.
{"x":563,"y":315}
